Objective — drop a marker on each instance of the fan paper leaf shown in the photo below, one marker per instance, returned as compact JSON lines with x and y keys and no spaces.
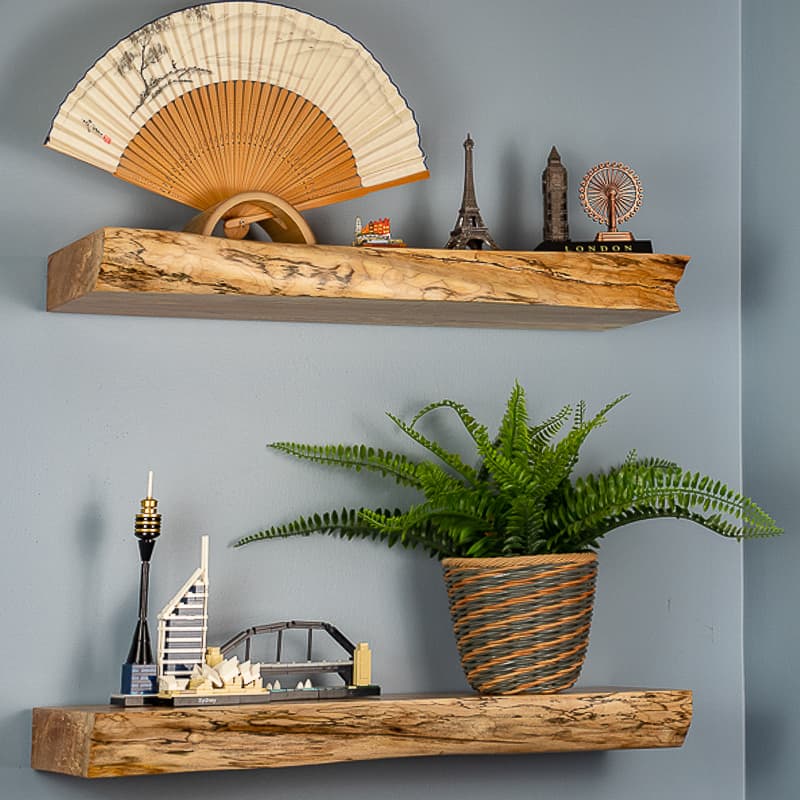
{"x":230,"y":97}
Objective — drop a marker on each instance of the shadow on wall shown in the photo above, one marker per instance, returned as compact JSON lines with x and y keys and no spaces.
{"x":436,"y":653}
{"x":419,"y":218}
{"x":507,"y":224}
{"x":506,"y":777}
{"x":23,"y":282}
{"x":760,"y":253}
{"x":34,"y":87}
{"x":92,"y":653}
{"x":72,"y":46}
{"x":774,"y":746}
{"x":15,"y":734}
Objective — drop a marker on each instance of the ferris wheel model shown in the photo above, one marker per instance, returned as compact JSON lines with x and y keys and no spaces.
{"x":611,"y":193}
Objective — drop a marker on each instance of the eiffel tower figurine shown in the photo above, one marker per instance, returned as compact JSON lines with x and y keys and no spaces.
{"x":470,"y":232}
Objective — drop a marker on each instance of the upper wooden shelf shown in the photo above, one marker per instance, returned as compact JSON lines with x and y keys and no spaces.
{"x":108,"y":741}
{"x":162,"y":273}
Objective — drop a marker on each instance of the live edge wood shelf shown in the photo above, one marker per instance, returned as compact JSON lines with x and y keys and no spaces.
{"x":162,"y":273}
{"x":108,"y":741}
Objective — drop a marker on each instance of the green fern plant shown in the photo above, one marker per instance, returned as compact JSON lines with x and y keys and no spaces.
{"x":520,"y":499}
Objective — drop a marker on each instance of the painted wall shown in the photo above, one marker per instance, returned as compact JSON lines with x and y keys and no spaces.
{"x":90,"y":403}
{"x":771,"y":436}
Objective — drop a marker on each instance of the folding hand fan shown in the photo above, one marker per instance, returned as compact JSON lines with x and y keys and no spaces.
{"x":232,"y":97}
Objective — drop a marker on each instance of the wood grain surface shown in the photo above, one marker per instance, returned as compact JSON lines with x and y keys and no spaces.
{"x":107,"y":741}
{"x":163,"y":273}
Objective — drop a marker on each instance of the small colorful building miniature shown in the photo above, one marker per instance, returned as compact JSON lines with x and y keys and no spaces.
{"x":376,"y":233}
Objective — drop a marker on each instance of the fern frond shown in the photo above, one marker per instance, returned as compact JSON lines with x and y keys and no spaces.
{"x":513,"y":439}
{"x":453,"y":460}
{"x":597,"y":504}
{"x":465,"y":511}
{"x":445,"y":531}
{"x":346,"y":523}
{"x":612,"y":405}
{"x":435,"y":482}
{"x":659,"y":463}
{"x":542,"y":434}
{"x":509,"y":476}
{"x":524,"y":527}
{"x":356,"y":457}
{"x":474,"y":428}
{"x":555,"y":464}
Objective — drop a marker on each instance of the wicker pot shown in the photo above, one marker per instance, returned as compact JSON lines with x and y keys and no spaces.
{"x":522,"y":623}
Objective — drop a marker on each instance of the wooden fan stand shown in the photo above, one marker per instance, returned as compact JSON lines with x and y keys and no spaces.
{"x":281,"y":220}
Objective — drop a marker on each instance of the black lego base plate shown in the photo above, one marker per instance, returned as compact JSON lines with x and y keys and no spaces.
{"x":130,"y":700}
{"x":274,"y":696}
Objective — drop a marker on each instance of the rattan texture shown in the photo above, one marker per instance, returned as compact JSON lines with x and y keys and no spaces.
{"x":522,"y":624}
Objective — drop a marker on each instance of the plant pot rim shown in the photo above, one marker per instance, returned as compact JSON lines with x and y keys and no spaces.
{"x":519,"y":561}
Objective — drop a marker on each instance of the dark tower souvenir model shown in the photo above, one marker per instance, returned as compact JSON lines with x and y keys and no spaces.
{"x":554,"y":195}
{"x":139,"y":670}
{"x":470,"y":232}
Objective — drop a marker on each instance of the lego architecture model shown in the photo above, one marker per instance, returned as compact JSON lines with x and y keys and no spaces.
{"x":470,"y":232}
{"x":188,"y":672}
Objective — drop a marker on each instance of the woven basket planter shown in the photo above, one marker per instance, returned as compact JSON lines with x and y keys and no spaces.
{"x":521,"y":624}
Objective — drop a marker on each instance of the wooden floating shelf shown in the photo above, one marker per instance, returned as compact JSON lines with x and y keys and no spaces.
{"x":162,"y":273}
{"x":109,"y":741}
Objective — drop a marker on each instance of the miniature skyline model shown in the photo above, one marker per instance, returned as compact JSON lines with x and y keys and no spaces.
{"x":376,"y":233}
{"x":470,"y":232}
{"x":190,"y":673}
{"x":554,"y":194}
{"x":139,"y":669}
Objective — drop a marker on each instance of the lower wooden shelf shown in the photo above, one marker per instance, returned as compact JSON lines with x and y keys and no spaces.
{"x":162,"y":273}
{"x":108,"y":741}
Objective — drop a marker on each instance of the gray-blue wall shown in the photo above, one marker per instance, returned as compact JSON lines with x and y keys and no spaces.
{"x":771,"y":432}
{"x":90,"y":403}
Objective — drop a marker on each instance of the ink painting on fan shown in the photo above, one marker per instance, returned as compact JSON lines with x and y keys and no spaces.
{"x":231,"y":97}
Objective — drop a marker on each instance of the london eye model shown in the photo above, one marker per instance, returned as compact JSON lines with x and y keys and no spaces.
{"x":611,"y":193}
